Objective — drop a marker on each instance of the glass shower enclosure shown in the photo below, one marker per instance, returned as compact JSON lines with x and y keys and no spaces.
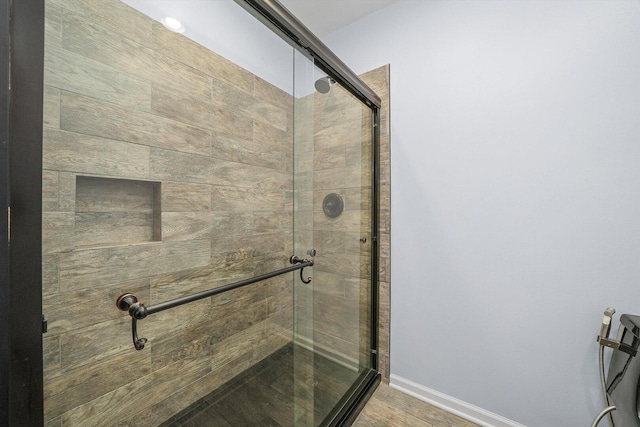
{"x":209,"y":254}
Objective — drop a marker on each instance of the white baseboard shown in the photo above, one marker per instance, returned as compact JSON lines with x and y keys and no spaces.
{"x":451,"y":404}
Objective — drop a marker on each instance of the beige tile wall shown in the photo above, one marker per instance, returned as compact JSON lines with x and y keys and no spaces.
{"x":126,"y":99}
{"x":379,"y":80}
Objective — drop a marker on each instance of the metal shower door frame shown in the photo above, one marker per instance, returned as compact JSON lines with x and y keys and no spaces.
{"x":21,"y":76}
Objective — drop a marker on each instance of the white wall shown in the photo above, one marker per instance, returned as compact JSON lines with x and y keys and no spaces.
{"x":515,"y":194}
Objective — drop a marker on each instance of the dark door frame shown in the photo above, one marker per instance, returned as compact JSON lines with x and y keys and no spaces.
{"x":21,"y":86}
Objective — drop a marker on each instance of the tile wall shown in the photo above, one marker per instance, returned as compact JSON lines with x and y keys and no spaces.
{"x":167,"y":171}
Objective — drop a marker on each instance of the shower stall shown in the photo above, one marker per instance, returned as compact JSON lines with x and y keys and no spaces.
{"x":208,"y":202}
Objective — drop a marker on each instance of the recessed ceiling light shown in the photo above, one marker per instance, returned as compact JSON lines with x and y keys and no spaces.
{"x":172,"y":24}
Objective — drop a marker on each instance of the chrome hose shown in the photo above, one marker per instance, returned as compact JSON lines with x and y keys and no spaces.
{"x":602,"y":414}
{"x":609,"y":408}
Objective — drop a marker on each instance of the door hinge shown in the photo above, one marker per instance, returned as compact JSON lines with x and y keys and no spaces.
{"x":45,"y":326}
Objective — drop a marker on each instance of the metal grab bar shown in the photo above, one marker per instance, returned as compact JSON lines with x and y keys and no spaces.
{"x":129,"y":302}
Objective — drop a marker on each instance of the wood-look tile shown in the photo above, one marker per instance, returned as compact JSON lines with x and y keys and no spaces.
{"x":263,"y":111}
{"x":49,"y":191}
{"x":329,"y":241}
{"x":230,"y":97}
{"x":331,"y":179}
{"x":200,"y":58}
{"x":332,"y":136}
{"x":136,"y":396}
{"x":178,"y":284}
{"x":184,"y":397}
{"x":349,"y":220}
{"x":54,"y":422}
{"x":114,"y":15}
{"x":180,"y":333}
{"x":385,"y":171}
{"x":92,"y":117}
{"x":99,"y":342}
{"x":279,"y":292}
{"x":72,"y":152}
{"x":176,"y":106}
{"x":334,"y":315}
{"x":50,"y":284}
{"x":248,"y":151}
{"x":74,"y":73}
{"x":330,"y":158}
{"x":341,"y":113}
{"x":240,"y":175}
{"x":93,"y":41}
{"x":255,"y":244}
{"x":303,"y":163}
{"x":57,"y":232}
{"x":52,"y":24}
{"x":267,"y":92}
{"x":67,"y":191}
{"x":51,"y":106}
{"x":385,"y":269}
{"x":85,"y":268}
{"x":270,"y":135}
{"x":236,"y":346}
{"x":265,"y":221}
{"x":91,"y":306}
{"x":246,"y":199}
{"x":385,"y":220}
{"x":185,"y":197}
{"x":231,"y":224}
{"x":113,"y":228}
{"x":113,"y":195}
{"x":183,"y":167}
{"x":302,"y":199}
{"x":378,"y":80}
{"x":331,"y":283}
{"x":358,"y":153}
{"x":79,"y":386}
{"x":178,"y":401}
{"x":230,"y":122}
{"x":51,"y":356}
{"x":177,"y":226}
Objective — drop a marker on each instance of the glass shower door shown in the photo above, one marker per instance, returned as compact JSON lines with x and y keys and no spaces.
{"x":170,"y":170}
{"x":166,"y":173}
{"x":332,"y":225}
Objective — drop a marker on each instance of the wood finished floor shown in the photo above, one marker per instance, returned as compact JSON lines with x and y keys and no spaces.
{"x":390,"y":407}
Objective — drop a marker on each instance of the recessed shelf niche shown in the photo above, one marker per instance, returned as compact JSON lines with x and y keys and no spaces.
{"x":113,"y":211}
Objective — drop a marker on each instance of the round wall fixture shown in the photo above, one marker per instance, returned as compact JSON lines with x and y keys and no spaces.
{"x":332,"y":205}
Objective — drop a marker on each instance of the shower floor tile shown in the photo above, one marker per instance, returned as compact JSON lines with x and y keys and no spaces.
{"x":265,"y":395}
